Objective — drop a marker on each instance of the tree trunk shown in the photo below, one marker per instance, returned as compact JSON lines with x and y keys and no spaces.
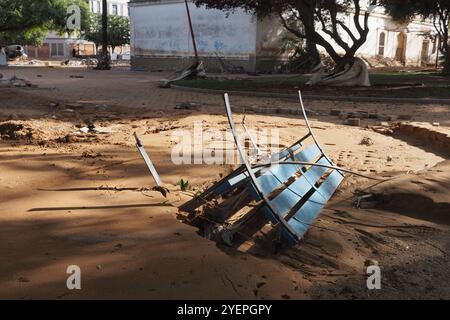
{"x":313,"y":53}
{"x":446,"y":69}
{"x":446,"y":53}
{"x":104,"y":59}
{"x":347,"y":59}
{"x":105,"y":26}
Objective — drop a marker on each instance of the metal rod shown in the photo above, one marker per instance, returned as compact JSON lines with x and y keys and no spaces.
{"x":250,"y":171}
{"x":310,"y":128}
{"x":147,"y":160}
{"x":315,"y":165}
{"x":253,"y":142}
{"x":192,"y":30}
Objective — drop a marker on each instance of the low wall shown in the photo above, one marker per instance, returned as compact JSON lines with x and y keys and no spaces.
{"x":212,"y":64}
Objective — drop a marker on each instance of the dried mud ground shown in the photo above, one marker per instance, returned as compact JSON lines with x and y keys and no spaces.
{"x":85,"y":199}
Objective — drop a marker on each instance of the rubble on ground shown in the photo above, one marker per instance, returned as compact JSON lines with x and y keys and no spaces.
{"x":80,"y":62}
{"x":379,"y":61}
{"x":366,"y":141}
{"x":14,"y":131}
{"x":21,"y":83}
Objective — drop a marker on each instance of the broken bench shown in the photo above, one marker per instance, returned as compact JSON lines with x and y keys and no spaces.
{"x":289,"y":189}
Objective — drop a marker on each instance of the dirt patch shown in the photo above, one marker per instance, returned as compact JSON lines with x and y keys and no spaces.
{"x":93,"y":188}
{"x":426,"y":132}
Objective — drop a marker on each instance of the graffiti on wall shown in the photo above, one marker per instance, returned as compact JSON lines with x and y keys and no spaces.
{"x":163,"y":29}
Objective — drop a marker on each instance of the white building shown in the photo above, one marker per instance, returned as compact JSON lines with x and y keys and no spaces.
{"x":115,"y":7}
{"x":160,"y":37}
{"x":58,"y":47}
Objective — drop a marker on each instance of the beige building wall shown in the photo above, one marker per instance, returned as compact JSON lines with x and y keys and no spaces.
{"x":161,"y":39}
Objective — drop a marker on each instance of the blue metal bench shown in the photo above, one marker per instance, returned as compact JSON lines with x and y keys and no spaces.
{"x":295,"y":188}
{"x":290,"y":188}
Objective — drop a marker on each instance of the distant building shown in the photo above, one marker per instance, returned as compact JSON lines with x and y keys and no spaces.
{"x":56,"y":47}
{"x":160,"y":38}
{"x":115,"y":7}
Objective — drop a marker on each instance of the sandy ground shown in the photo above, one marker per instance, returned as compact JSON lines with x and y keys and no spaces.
{"x":86,"y":199}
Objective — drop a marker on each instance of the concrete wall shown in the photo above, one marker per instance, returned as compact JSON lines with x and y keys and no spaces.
{"x":269,"y":45}
{"x":161,"y":30}
{"x":160,"y":37}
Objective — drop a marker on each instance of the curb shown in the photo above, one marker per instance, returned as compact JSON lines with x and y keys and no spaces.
{"x":437,"y":139}
{"x":315,"y":97}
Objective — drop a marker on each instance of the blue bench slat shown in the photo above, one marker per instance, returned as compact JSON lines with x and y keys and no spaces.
{"x":289,"y":197}
{"x":333,"y":181}
{"x":267,"y":181}
{"x":239,"y":178}
{"x":305,"y":216}
{"x":315,"y":173}
{"x":310,"y":154}
{"x":279,"y":174}
{"x":284,"y":202}
{"x":275,"y":177}
{"x":285,"y":153}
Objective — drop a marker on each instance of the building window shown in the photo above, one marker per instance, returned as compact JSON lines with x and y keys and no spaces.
{"x":57,"y":50}
{"x":115,"y":9}
{"x":381,"y":44}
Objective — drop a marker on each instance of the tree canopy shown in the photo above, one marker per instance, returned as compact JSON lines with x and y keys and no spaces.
{"x":28,"y":21}
{"x":118,"y":30}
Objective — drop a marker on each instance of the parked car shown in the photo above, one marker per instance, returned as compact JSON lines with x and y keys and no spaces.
{"x":14,"y":51}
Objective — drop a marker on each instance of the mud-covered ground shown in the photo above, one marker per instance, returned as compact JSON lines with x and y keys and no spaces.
{"x":71,"y":197}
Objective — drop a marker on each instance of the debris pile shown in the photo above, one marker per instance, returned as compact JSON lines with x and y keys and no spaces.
{"x":35,"y":62}
{"x":195,"y":70}
{"x":21,"y":83}
{"x":14,"y":131}
{"x":91,"y":62}
{"x":366,"y":141}
{"x":379,"y":61}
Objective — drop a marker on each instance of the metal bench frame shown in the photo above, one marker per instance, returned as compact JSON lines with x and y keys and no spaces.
{"x":271,"y":211}
{"x":301,"y":179}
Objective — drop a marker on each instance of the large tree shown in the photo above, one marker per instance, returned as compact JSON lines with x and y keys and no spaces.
{"x":304,"y":18}
{"x":118,"y":30}
{"x":28,"y":20}
{"x":436,"y":10}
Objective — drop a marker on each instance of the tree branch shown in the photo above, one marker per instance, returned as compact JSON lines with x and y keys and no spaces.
{"x":347,"y":29}
{"x":334,"y":34}
{"x":295,"y":32}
